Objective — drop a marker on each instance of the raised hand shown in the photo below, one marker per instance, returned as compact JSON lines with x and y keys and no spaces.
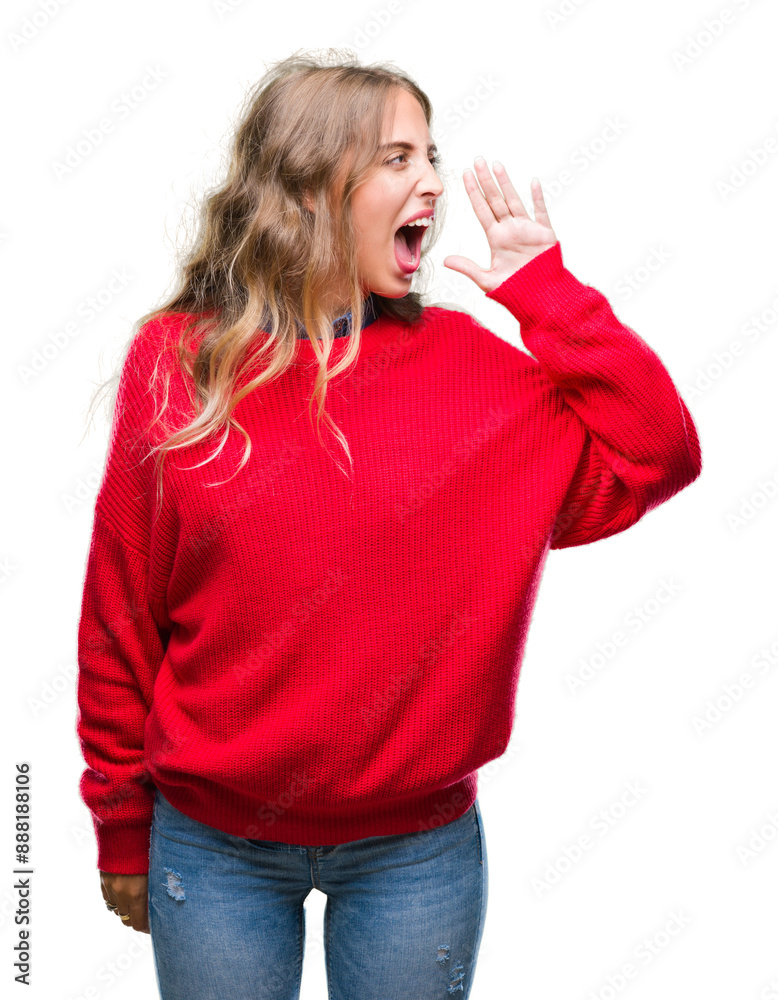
{"x":514,"y":238}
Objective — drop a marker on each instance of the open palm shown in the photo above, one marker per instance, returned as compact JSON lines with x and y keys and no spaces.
{"x":514,"y":238}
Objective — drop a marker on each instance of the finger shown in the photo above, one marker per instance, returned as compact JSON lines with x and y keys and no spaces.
{"x":462,"y":264}
{"x":118,"y":901}
{"x":139,"y":915}
{"x":512,"y":199}
{"x":128,"y":911}
{"x":110,"y":902}
{"x":483,"y":212}
{"x":133,"y":904}
{"x":493,"y":194}
{"x":541,"y":212}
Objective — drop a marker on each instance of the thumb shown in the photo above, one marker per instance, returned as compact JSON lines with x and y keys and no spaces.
{"x":463,"y":265}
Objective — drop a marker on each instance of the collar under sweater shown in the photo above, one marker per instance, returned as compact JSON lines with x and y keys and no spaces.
{"x":342,"y":325}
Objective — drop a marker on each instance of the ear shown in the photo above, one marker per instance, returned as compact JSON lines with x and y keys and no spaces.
{"x":308,"y":202}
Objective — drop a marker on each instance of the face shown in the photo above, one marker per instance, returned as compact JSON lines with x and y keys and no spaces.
{"x":404,"y":183}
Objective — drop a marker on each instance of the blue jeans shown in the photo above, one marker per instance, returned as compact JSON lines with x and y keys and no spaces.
{"x":403,"y":919}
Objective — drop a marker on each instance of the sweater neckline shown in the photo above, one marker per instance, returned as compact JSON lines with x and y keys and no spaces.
{"x":342,"y":325}
{"x":377,"y":333}
{"x":376,"y":330}
{"x":343,"y":331}
{"x":373,"y":337}
{"x":381,"y":333}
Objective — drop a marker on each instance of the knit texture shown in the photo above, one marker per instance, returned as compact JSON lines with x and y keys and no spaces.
{"x":299,"y":655}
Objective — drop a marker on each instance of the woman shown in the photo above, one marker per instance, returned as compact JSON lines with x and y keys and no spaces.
{"x":291,"y":668}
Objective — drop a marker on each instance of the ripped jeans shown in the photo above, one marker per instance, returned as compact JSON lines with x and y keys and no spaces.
{"x":403,"y":920}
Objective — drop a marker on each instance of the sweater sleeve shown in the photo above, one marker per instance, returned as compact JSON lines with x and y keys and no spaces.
{"x":635,"y":440}
{"x":120,"y":643}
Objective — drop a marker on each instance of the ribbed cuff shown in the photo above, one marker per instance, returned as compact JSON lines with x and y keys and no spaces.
{"x":124,"y":849}
{"x":542,"y":286}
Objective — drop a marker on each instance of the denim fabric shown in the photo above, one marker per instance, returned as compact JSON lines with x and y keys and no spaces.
{"x":403,"y":920}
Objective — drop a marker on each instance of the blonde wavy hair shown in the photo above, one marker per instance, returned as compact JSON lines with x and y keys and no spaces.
{"x":310,"y":128}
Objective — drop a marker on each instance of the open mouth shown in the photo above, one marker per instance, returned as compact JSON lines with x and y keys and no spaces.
{"x":407,"y":247}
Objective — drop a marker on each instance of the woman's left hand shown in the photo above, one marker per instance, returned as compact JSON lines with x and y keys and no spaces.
{"x":514,"y":238}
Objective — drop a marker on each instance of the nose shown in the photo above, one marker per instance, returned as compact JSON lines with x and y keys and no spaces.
{"x":429,"y":182}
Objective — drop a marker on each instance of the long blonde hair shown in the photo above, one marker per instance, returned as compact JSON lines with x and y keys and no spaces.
{"x":262,"y":255}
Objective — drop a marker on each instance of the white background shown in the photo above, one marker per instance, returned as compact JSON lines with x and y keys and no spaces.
{"x":535,"y":86}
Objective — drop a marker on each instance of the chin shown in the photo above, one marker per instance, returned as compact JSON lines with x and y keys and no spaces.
{"x":392,"y":292}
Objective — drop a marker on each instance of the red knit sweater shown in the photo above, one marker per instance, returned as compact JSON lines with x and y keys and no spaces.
{"x":293,"y":655}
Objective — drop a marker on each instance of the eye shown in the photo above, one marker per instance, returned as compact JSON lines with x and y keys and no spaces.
{"x":434,"y":160}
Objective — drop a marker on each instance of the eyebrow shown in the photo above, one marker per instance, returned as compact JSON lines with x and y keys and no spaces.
{"x":400,"y":144}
